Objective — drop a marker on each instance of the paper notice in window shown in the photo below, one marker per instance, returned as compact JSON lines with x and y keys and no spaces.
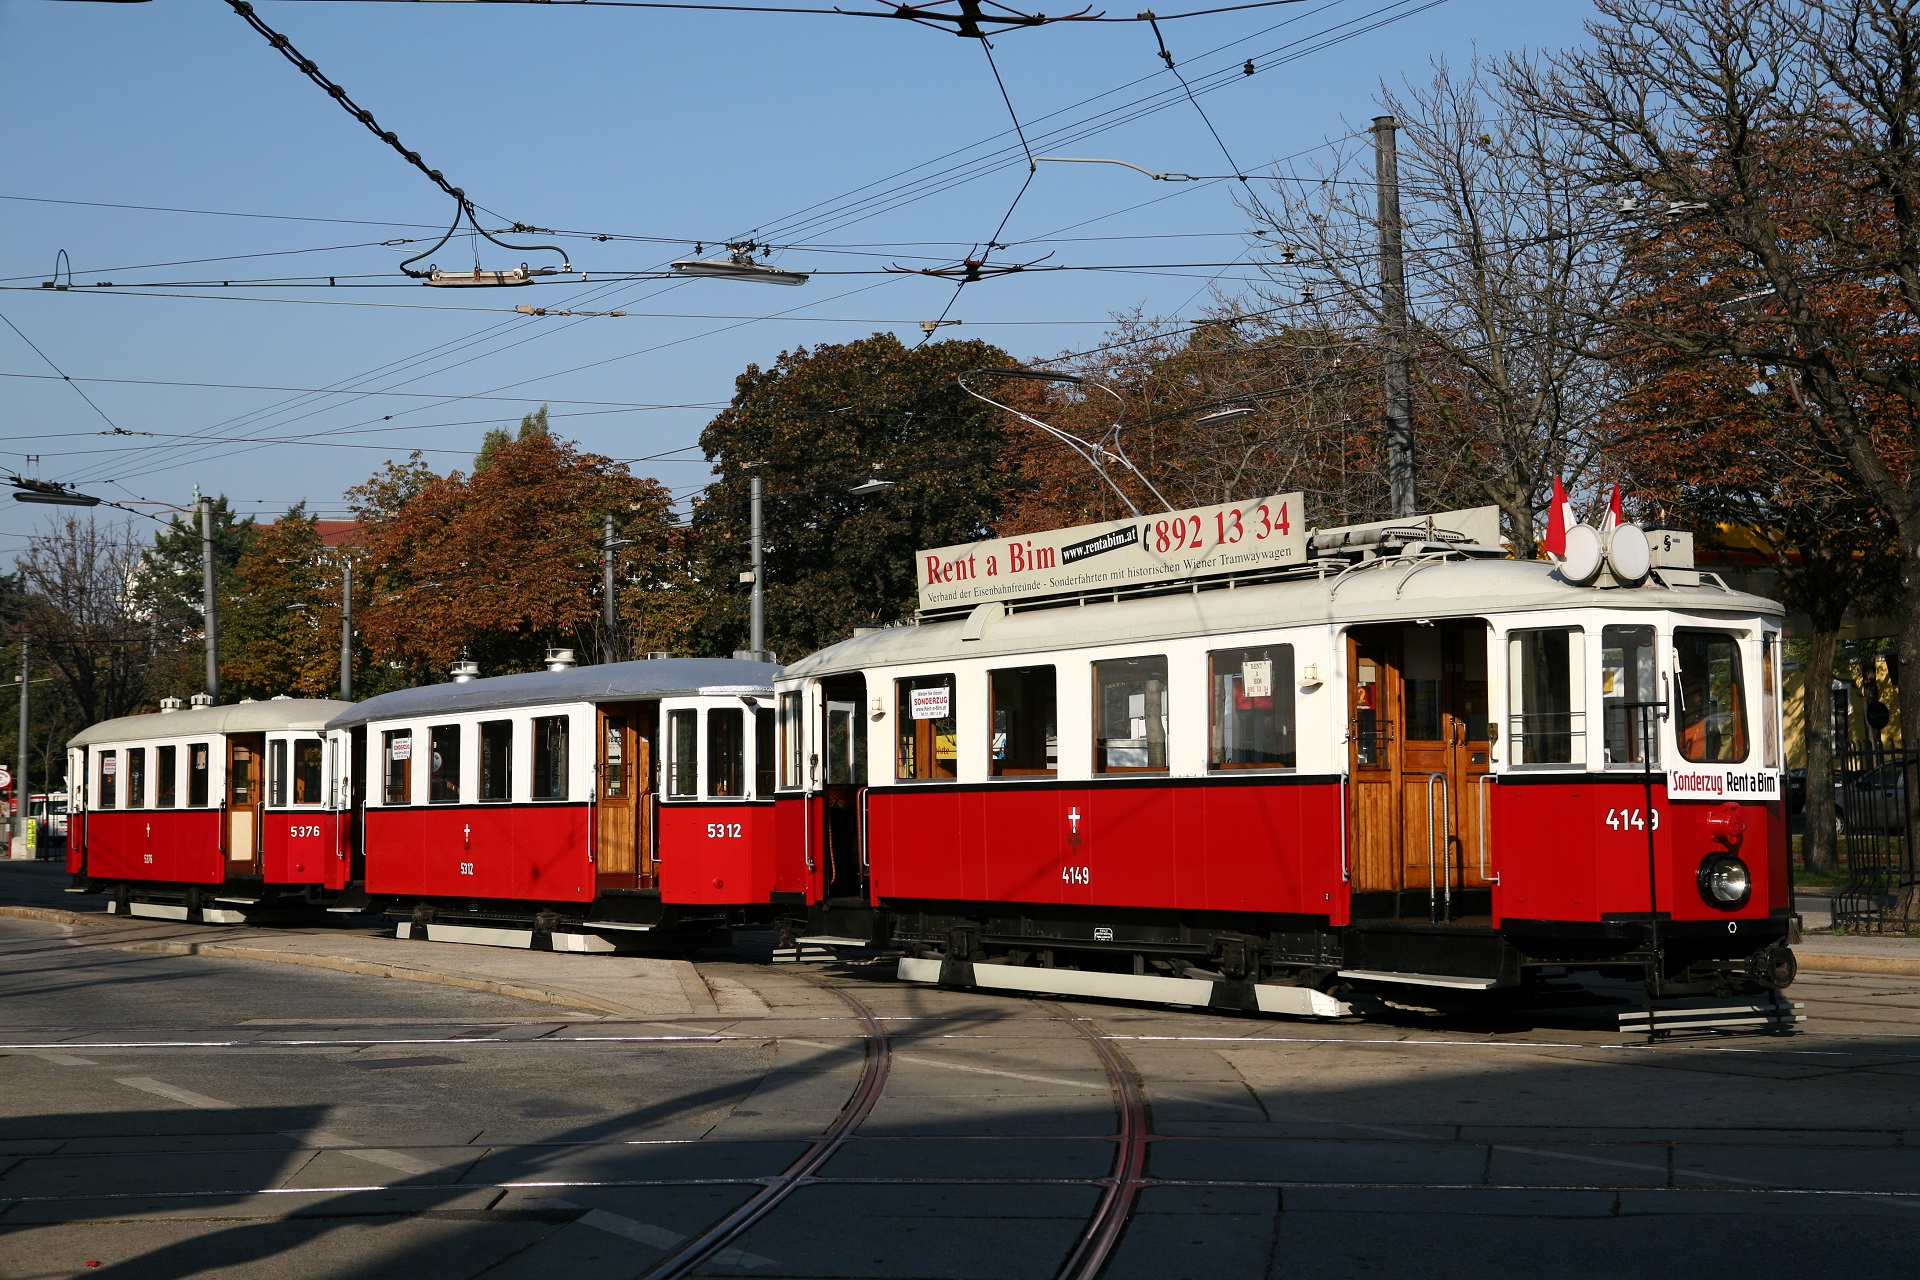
{"x":1257,"y":676}
{"x":932,"y":704}
{"x":403,"y":748}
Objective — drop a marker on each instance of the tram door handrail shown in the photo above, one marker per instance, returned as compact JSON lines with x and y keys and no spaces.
{"x":1435,"y":914}
{"x":1486,"y":834}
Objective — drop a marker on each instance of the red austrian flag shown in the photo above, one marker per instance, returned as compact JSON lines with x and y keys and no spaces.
{"x":1615,"y":516}
{"x":1560,"y":518}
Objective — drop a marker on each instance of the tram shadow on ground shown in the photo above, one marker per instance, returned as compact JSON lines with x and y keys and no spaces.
{"x":1309,"y":1150}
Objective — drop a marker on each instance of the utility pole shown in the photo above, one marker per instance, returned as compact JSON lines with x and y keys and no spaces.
{"x":609,"y":606}
{"x":1393,"y":306}
{"x":346,"y":627}
{"x":22,"y":790}
{"x":757,"y":625}
{"x":213,"y":623}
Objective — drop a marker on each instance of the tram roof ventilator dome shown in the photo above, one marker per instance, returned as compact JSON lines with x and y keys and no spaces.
{"x":560,"y":660}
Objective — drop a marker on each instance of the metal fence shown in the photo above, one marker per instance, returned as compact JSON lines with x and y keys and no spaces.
{"x":1873,"y":796}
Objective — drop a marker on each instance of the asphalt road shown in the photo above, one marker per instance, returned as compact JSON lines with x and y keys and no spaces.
{"x":171,"y":1116}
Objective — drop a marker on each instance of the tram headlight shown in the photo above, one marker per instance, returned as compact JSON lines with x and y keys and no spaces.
{"x":1725,"y":882}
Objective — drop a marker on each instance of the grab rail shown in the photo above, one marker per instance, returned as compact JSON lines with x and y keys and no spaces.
{"x":1434,"y":913}
{"x":1486,"y":836}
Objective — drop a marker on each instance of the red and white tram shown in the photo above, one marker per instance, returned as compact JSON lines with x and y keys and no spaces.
{"x":1390,"y":756}
{"x":208,"y":813}
{"x":569,"y":808}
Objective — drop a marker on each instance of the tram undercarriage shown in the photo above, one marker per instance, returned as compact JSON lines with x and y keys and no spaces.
{"x":1272,"y":963}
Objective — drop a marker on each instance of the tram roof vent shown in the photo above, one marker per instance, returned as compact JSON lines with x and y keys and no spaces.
{"x":660,"y":653}
{"x":171,"y":704}
{"x":864,"y":631}
{"x":465,"y":670}
{"x":560,"y":660}
{"x":202,"y":700}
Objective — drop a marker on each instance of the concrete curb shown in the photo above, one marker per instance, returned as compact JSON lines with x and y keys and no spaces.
{"x":1828,"y":962}
{"x":339,"y":964}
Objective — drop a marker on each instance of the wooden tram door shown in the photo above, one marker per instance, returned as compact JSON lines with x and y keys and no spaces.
{"x":246,"y":797}
{"x":844,"y":786}
{"x":1418,"y":748}
{"x":624,"y":852}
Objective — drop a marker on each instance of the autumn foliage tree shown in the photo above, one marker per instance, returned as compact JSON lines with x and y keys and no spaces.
{"x":500,"y":563}
{"x":280,"y":616}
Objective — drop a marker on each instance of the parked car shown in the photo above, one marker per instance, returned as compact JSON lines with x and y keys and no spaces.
{"x":1873,"y":802}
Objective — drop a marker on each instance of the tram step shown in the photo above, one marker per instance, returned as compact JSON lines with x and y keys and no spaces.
{"x":801,"y":954}
{"x":1148,"y":988}
{"x":1422,"y":979}
{"x":519,"y":939}
{"x":1748,"y":1013}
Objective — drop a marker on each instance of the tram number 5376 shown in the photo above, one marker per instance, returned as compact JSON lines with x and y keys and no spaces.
{"x":1631,"y":819}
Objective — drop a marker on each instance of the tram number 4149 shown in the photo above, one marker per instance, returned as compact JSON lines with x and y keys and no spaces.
{"x":1631,"y":819}
{"x":1076,"y":875}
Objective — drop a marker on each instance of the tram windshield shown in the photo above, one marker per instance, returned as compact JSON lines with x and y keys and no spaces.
{"x":1713,"y":718}
{"x":1547,"y":718}
{"x":1627,"y":693}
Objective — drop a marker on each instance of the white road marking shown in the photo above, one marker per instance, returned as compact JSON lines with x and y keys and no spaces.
{"x":372,"y":1155}
{"x":628,"y":1229}
{"x":311,"y":1137}
{"x":174,"y":1091}
{"x":67,"y":1060}
{"x":949,"y":1066}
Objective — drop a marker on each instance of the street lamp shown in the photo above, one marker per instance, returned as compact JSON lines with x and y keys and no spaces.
{"x":53,"y":495}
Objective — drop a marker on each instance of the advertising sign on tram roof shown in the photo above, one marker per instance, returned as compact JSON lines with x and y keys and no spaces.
{"x":1170,"y":546}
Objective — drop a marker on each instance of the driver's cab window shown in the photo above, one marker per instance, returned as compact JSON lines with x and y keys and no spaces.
{"x":1710,"y":689}
{"x":846,"y":745}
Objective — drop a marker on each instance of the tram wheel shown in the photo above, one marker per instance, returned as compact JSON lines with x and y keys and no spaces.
{"x":1774,"y":969}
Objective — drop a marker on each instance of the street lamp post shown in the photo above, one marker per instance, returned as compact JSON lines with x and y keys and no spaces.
{"x":346,"y":627}
{"x":206,"y":589}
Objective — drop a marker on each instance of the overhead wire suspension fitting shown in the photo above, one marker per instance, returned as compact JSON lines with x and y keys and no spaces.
{"x":464,"y":210}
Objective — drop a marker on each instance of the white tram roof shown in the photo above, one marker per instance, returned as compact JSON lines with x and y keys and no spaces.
{"x":605,"y":682}
{"x":273,"y":715}
{"x":1385,"y":590}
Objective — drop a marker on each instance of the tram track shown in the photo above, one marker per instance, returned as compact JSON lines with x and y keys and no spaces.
{"x":1101,"y":1237}
{"x":723,"y":1235}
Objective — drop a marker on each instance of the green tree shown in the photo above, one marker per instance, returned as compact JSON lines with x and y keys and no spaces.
{"x":280,"y":621}
{"x":167,"y":595}
{"x":811,"y":427}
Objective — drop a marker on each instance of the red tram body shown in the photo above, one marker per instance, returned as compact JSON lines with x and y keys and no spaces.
{"x":209,"y":812}
{"x":1405,"y":761}
{"x":571,"y":807}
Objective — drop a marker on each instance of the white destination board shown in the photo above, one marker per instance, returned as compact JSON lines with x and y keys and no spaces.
{"x":1235,"y":537}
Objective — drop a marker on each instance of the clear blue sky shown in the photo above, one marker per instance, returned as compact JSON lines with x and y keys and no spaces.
{"x":695,"y":126}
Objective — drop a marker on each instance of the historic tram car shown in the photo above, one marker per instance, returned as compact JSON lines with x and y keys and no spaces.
{"x":572,"y":808}
{"x":209,"y":813}
{"x":1179,"y":766}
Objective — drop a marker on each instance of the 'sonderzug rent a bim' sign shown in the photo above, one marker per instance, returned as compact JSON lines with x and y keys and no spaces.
{"x":1235,"y":537}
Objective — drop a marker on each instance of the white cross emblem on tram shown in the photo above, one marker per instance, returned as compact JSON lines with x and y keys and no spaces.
{"x":1073,"y":819}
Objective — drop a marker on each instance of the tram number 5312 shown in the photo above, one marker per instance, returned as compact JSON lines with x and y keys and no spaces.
{"x":723,"y":831}
{"x":1631,"y":819}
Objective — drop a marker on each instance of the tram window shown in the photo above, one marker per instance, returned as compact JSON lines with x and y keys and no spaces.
{"x":136,"y":777}
{"x":496,"y":760}
{"x":1628,"y":689}
{"x":166,"y":760}
{"x":199,"y":770}
{"x":1713,"y":717}
{"x":397,"y":749}
{"x":1252,"y":724}
{"x":726,"y":752}
{"x":1420,"y":676}
{"x":550,"y":758}
{"x":792,"y":742}
{"x":763,"y":751}
{"x":240,"y":775}
{"x":109,"y":781}
{"x":1546,"y":703}
{"x":1769,"y":701}
{"x":1130,"y":715}
{"x":443,"y":766}
{"x":1369,"y":694}
{"x":1025,"y":739}
{"x":277,"y":780}
{"x":683,"y":753}
{"x":613,"y":757}
{"x":307,"y":754}
{"x":924,"y":708}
